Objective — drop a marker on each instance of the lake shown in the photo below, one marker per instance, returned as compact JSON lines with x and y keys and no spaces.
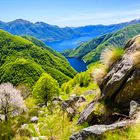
{"x":63,"y":45}
{"x":72,"y":43}
{"x":77,"y":64}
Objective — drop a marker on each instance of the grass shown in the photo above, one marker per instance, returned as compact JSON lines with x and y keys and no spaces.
{"x":111,"y":55}
{"x":135,"y":58}
{"x":130,"y":133}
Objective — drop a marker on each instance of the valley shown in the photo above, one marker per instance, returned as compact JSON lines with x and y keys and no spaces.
{"x":62,"y":39}
{"x":69,"y":70}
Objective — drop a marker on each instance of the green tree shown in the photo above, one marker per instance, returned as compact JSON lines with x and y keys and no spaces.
{"x":45,"y":89}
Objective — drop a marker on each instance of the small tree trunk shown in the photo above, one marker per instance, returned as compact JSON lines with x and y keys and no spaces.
{"x":6,"y":117}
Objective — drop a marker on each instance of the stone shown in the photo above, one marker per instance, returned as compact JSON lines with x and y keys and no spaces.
{"x":96,"y":131}
{"x":95,"y":112}
{"x":39,"y":138}
{"x":34,"y":119}
{"x":134,"y":108}
{"x":121,"y":85}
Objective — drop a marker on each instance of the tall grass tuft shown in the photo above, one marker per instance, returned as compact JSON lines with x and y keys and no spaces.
{"x":111,"y":55}
{"x":135,"y":58}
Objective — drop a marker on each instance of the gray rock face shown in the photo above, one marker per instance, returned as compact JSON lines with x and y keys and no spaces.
{"x":87,"y":114}
{"x":122,"y":83}
{"x":134,"y":108}
{"x":97,"y":130}
{"x":119,"y":87}
{"x":72,"y":101}
{"x":34,"y":119}
{"x":71,"y":105}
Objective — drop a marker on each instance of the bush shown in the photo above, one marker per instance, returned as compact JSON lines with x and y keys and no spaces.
{"x":45,"y":89}
{"x":98,"y":74}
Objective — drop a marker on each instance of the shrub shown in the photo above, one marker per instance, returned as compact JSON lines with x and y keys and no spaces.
{"x":111,"y":55}
{"x":11,"y":101}
{"x":99,"y":73}
{"x":45,"y":89}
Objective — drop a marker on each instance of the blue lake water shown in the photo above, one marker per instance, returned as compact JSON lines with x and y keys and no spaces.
{"x":60,"y":46}
{"x":77,"y":64}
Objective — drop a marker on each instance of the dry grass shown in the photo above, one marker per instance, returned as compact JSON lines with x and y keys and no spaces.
{"x":111,"y":55}
{"x":98,"y":74}
{"x":135,"y":58}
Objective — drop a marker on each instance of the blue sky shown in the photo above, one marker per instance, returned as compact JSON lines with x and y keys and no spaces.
{"x":70,"y":12}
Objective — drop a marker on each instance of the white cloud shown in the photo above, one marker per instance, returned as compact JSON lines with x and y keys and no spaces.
{"x":98,"y":18}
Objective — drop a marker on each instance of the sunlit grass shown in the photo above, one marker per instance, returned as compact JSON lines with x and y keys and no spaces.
{"x":111,"y":55}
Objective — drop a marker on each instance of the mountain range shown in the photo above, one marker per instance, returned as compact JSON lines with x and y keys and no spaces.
{"x":50,"y":33}
{"x":90,"y":51}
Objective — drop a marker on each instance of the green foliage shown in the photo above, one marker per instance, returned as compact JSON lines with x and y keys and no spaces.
{"x":82,"y":79}
{"x":6,"y":131}
{"x":20,"y":71}
{"x":128,"y":133}
{"x":42,"y":44}
{"x":45,"y":89}
{"x":15,"y":49}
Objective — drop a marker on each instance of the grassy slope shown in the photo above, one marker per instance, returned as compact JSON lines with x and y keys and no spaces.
{"x":15,"y":49}
{"x":90,"y":51}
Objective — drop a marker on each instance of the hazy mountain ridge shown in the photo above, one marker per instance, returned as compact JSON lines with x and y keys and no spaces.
{"x":49,"y":33}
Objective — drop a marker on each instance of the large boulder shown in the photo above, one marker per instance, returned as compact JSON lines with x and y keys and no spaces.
{"x":119,"y":87}
{"x":122,"y":84}
{"x":95,"y":112}
{"x":96,"y":131}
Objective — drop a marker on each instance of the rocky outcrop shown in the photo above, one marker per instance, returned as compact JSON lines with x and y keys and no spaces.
{"x":118,"y":89}
{"x":95,"y":112}
{"x":97,"y":131}
{"x":71,"y":105}
{"x":122,"y":83}
{"x":120,"y":86}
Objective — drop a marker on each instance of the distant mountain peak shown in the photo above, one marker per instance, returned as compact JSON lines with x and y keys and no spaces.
{"x":20,"y":21}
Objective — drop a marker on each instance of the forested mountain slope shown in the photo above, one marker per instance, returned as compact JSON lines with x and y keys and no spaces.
{"x":90,"y":51}
{"x":22,"y":61}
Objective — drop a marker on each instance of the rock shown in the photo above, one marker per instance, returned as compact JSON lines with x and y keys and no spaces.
{"x":95,"y":112}
{"x":134,"y":108}
{"x":72,"y":101}
{"x":40,"y":112}
{"x":90,"y":92}
{"x":39,"y":138}
{"x":70,"y":110}
{"x":56,"y":100}
{"x":96,"y":131}
{"x":24,"y":126}
{"x":81,"y":99}
{"x":70,"y":113}
{"x":87,"y":114}
{"x":34,"y":119}
{"x":121,"y":85}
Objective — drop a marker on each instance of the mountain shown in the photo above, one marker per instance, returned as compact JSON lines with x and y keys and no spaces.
{"x":50,"y":33}
{"x":24,"y":60}
{"x":90,"y":51}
